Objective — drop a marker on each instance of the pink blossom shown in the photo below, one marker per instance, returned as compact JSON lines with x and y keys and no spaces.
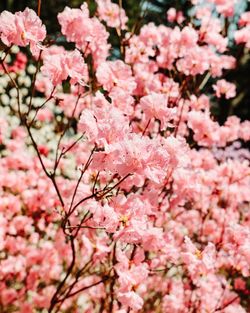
{"x":175,"y":16}
{"x":131,"y":300}
{"x":171,"y":15}
{"x":22,"y":29}
{"x":120,"y":191}
{"x":116,"y":74}
{"x":125,"y":157}
{"x":199,"y":263}
{"x":156,"y":106}
{"x":94,"y":123}
{"x":88,"y":33}
{"x":224,"y":88}
{"x":58,"y":66}
{"x":242,"y":36}
{"x":225,"y":7}
{"x":112,"y":14}
{"x":244,"y":19}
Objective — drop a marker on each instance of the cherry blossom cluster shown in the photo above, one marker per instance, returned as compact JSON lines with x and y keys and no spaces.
{"x":120,"y":190}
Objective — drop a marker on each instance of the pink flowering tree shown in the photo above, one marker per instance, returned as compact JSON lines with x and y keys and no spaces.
{"x":120,"y":191}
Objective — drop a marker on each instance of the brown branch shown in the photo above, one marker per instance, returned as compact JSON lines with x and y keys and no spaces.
{"x":98,"y":194}
{"x":85,"y":288}
{"x":41,"y":106}
{"x":71,"y":286}
{"x":226,"y":305}
{"x":34,"y":80}
{"x":39,"y":8}
{"x":54,"y":299}
{"x":80,"y":178}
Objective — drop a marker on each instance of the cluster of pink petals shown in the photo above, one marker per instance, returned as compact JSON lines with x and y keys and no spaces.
{"x":104,"y":124}
{"x":59,"y":65}
{"x":225,"y":7}
{"x":175,"y":16}
{"x":242,"y":35}
{"x":22,"y":29}
{"x":208,"y":132}
{"x":224,"y":88}
{"x":89,"y":35}
{"x":19,"y":64}
{"x":112,"y":14}
{"x":163,"y":206}
{"x":125,"y":157}
{"x":113,"y":75}
{"x":199,"y":263}
{"x":156,"y":106}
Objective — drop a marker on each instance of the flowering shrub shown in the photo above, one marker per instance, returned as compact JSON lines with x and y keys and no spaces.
{"x":120,"y":192}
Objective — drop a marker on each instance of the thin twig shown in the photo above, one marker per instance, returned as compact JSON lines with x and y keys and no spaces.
{"x":39,"y":8}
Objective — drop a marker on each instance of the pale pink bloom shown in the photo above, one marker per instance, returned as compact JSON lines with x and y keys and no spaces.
{"x":53,"y":68}
{"x":152,"y":240}
{"x":206,"y":131}
{"x":58,"y":66}
{"x":130,"y":276}
{"x":225,"y":7}
{"x":175,"y":301}
{"x":244,"y":19}
{"x":189,"y":37}
{"x":88,"y":125}
{"x":89,"y":35}
{"x":194,"y":62}
{"x":104,"y":125}
{"x":242,"y":36}
{"x":105,"y":216}
{"x":112,"y":14}
{"x":72,"y":20}
{"x":156,"y":106}
{"x":216,"y":40}
{"x":22,"y":29}
{"x":101,"y":249}
{"x":76,"y":68}
{"x":234,"y":308}
{"x":233,"y":126}
{"x":112,"y":74}
{"x":130,"y":300}
{"x":8,"y":29}
{"x":125,"y":157}
{"x":239,"y":284}
{"x":201,"y":103}
{"x":209,"y":292}
{"x":133,"y":231}
{"x":224,"y":88}
{"x":26,"y":308}
{"x":171,"y":15}
{"x":244,"y":131}
{"x":138,"y":50}
{"x":122,"y":100}
{"x":4,"y":223}
{"x":175,"y":16}
{"x":203,"y":13}
{"x":70,"y":104}
{"x":149,"y":35}
{"x":199,"y":262}
{"x":218,"y":63}
{"x":180,"y":17}
{"x":45,"y":115}
{"x":43,"y":84}
{"x":8,"y":296}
